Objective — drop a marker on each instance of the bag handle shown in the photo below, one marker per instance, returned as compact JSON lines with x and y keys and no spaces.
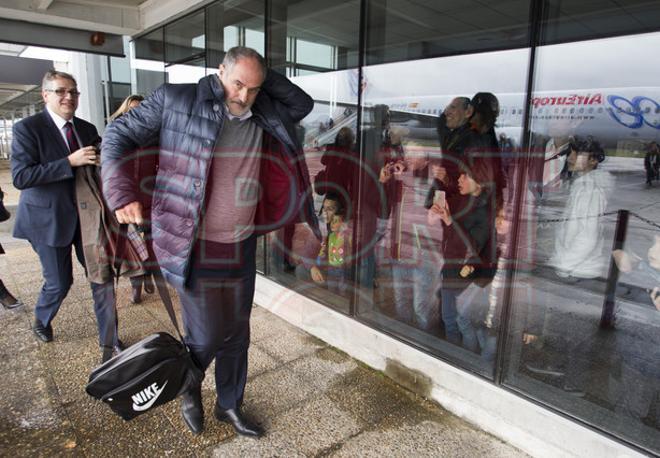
{"x":161,"y":284}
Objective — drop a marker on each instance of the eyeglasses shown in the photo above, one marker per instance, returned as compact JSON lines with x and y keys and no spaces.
{"x":61,"y":92}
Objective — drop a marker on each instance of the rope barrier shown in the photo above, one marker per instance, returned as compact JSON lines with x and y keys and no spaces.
{"x":563,"y":220}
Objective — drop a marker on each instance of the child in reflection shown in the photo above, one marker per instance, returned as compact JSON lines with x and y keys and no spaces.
{"x":335,"y":249}
{"x":578,"y":251}
{"x":468,"y":246}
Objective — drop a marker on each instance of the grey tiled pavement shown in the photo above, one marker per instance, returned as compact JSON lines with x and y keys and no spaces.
{"x":312,"y":399}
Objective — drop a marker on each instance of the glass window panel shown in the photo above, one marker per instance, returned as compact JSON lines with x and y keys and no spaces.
{"x":234,"y":23}
{"x":439,"y":159}
{"x":584,"y":336}
{"x":120,"y":69}
{"x":413,"y":29}
{"x":185,"y":38}
{"x":190,"y":72}
{"x":316,"y":54}
{"x":575,"y":20}
{"x":255,"y":39}
{"x":412,"y":272}
{"x":150,"y":46}
{"x":317,"y":38}
{"x":296,"y":256}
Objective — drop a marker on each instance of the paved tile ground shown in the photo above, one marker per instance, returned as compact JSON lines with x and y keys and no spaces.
{"x":313,"y":399}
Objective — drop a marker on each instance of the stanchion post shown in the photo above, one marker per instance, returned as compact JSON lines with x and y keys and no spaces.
{"x":608,"y":316}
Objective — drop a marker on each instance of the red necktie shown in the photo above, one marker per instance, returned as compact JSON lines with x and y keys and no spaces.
{"x":71,"y":137}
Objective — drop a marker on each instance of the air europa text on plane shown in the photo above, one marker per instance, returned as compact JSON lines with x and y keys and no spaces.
{"x":574,"y":99}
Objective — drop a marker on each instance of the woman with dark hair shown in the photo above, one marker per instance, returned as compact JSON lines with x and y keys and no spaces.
{"x":7,"y":300}
{"x":486,"y":110}
{"x":468,"y":244}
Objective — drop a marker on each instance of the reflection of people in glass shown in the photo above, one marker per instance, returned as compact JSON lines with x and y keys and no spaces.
{"x":486,"y":109}
{"x":579,"y":242}
{"x":638,"y":349}
{"x":639,"y":271}
{"x":456,"y":139}
{"x":652,"y":163}
{"x":376,"y":142}
{"x":410,"y":249}
{"x":336,"y":247}
{"x":467,"y":243}
{"x":341,"y":166}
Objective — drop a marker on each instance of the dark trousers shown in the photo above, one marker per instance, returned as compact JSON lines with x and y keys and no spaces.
{"x":216,"y":308}
{"x":57,"y":269}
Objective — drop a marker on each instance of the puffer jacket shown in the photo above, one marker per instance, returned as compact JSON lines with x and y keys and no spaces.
{"x":186,"y":119}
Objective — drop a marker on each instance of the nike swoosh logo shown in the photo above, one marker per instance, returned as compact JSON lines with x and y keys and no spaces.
{"x":146,"y":406}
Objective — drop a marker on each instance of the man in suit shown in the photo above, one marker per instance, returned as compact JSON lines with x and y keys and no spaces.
{"x":46,"y":149}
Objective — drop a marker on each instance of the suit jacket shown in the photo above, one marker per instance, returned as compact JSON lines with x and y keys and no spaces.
{"x":46,"y":211}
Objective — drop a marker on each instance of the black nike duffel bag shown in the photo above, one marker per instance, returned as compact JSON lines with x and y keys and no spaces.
{"x":147,"y":374}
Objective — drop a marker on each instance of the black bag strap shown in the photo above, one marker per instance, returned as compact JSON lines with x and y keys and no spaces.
{"x":160,"y":282}
{"x":164,"y":294}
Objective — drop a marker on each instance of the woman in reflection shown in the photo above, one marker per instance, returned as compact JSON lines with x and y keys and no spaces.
{"x":409,"y":249}
{"x":145,"y":170}
{"x":468,"y":246}
{"x":579,"y":241}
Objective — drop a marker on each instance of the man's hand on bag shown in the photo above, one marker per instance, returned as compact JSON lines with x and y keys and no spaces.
{"x":83,"y":156}
{"x":130,"y":214}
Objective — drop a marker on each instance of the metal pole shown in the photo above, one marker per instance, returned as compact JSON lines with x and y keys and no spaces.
{"x":608,"y":317}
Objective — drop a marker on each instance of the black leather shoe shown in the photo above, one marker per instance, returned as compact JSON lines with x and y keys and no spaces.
{"x":192,"y":410}
{"x":45,"y":333}
{"x":241,"y":425}
{"x":6,"y":299}
{"x":137,"y":294}
{"x":149,"y":287}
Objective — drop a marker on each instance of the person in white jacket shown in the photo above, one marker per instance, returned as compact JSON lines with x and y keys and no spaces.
{"x":578,"y":250}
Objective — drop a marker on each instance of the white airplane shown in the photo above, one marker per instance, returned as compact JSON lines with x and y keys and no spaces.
{"x":616,"y":117}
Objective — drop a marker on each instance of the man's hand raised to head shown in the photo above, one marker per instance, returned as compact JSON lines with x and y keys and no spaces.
{"x":83,"y":156}
{"x":130,"y":214}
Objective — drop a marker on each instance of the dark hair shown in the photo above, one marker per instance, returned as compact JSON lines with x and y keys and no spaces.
{"x":488,"y":107}
{"x":345,"y":137}
{"x":237,"y":53}
{"x":341,"y":204}
{"x":594,"y":149}
{"x":52,"y":75}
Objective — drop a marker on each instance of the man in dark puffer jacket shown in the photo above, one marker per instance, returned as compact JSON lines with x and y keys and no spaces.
{"x":230,"y":168}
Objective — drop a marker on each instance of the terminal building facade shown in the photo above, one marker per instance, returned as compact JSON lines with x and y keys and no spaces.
{"x":558,"y":351}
